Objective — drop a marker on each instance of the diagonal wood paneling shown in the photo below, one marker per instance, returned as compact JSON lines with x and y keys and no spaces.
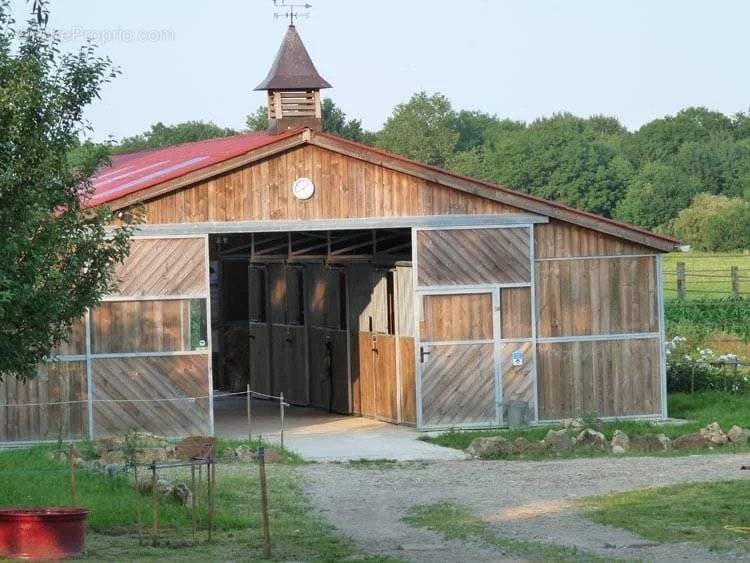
{"x":458,"y":386}
{"x":158,"y":377}
{"x":169,"y":266}
{"x":473,"y":256}
{"x":518,"y":381}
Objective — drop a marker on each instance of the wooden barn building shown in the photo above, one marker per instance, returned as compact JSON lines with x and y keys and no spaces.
{"x":352,"y":280}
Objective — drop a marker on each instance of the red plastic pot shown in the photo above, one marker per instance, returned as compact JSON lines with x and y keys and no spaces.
{"x":42,"y":533}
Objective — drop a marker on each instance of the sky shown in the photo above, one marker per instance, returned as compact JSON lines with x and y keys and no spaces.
{"x":520,"y":59}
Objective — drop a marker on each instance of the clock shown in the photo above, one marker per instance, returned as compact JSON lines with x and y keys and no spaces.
{"x":303,"y":188}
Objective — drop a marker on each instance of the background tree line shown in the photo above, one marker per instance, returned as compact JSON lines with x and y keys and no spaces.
{"x":687,"y":175}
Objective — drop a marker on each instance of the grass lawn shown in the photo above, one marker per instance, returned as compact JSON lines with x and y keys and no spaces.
{"x":456,"y":523}
{"x":28,"y":478}
{"x":700,"y":409}
{"x":703,"y":513}
{"x":707,"y":274}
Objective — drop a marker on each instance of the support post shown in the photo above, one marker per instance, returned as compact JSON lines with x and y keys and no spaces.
{"x":73,"y":486}
{"x":735,"y":281}
{"x":193,"y":495}
{"x":681,"y":281}
{"x":154,"y":504}
{"x":249,"y":416}
{"x":210,"y":482}
{"x":264,"y":502}
{"x":281,"y":406}
{"x":138,"y":514}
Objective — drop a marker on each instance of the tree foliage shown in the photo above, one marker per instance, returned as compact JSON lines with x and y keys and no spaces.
{"x":160,"y":135}
{"x":714,"y":223}
{"x":422,"y":128}
{"x":56,"y":256}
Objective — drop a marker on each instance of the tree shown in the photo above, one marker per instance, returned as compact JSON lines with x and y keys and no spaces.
{"x":160,"y":135}
{"x":563,"y":158}
{"x":258,"y":120}
{"x":661,"y":139}
{"x":422,"y":129}
{"x":56,"y":255}
{"x":714,"y":223}
{"x":657,"y":194}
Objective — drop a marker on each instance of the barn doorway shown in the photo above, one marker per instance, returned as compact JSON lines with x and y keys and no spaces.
{"x":324,"y":317}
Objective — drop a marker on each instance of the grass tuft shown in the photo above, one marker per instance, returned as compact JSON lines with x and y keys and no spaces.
{"x":704,"y":513}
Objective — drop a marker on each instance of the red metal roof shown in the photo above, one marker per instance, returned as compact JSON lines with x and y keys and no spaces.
{"x":132,"y":172}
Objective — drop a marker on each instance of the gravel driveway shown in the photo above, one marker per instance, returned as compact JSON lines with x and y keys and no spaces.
{"x":524,"y":500}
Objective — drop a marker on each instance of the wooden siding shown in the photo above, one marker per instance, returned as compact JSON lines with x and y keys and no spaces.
{"x":596,"y":296}
{"x":169,"y":266}
{"x":56,"y":382}
{"x":515,"y":312}
{"x":144,"y":379}
{"x":408,"y":380}
{"x":259,"y":352}
{"x":606,"y":378}
{"x":346,"y":187}
{"x":518,"y":381}
{"x":76,"y":342}
{"x":140,"y":326}
{"x":473,"y":256}
{"x":288,"y":357}
{"x":458,"y":386}
{"x":448,"y":318}
{"x":558,"y":239}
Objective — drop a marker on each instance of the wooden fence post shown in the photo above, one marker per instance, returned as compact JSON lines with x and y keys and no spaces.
{"x":735,"y":281}
{"x":249,"y":417}
{"x":73,"y":486}
{"x":681,"y":281}
{"x":264,"y":502}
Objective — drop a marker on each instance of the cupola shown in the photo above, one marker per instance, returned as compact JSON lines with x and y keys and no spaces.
{"x":293,"y":85}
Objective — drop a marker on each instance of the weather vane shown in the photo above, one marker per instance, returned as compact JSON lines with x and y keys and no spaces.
{"x":291,"y":10}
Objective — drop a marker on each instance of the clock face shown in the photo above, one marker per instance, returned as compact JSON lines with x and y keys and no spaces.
{"x":303,"y":188}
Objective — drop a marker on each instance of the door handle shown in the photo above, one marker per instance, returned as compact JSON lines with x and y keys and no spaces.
{"x":422,"y":354}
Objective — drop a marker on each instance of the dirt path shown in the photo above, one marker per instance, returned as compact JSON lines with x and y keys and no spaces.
{"x":523,"y":500}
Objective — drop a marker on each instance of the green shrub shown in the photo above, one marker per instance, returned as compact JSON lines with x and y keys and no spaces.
{"x":694,"y":369}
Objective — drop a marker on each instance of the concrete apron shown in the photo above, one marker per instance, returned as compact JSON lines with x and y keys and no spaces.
{"x":318,"y":436}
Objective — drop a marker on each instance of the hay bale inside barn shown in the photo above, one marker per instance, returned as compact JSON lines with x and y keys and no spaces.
{"x":350,"y":280}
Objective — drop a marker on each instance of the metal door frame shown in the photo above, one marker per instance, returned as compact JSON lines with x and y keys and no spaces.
{"x":494,"y":289}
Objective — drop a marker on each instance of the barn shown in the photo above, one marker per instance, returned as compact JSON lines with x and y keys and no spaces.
{"x":350,"y":280}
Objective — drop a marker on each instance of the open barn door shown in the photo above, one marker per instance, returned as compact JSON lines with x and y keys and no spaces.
{"x":149,"y":358}
{"x":460,"y":274}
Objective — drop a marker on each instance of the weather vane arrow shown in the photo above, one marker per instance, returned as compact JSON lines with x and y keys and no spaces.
{"x":291,"y":10}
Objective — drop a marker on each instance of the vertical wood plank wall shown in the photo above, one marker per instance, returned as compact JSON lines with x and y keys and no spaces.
{"x":598,"y":325}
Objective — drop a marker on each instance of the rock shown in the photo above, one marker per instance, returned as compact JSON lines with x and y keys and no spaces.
{"x":57,"y":456}
{"x":149,"y":455}
{"x":244,"y":453}
{"x":619,"y":450}
{"x":694,"y":440}
{"x":572,"y":424}
{"x":490,"y":446}
{"x":112,"y":469}
{"x":649,"y":443}
{"x":195,"y":447}
{"x":273,"y":456}
{"x":558,"y":441}
{"x":97,"y":465}
{"x":592,"y":440}
{"x":80,"y":463}
{"x":112,"y":456}
{"x":738,"y":436}
{"x":620,"y":440}
{"x":181,"y":493}
{"x":714,"y":434}
{"x":664,"y":442}
{"x":522,"y":446}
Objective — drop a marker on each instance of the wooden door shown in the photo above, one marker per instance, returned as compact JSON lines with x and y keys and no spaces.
{"x":457,"y":359}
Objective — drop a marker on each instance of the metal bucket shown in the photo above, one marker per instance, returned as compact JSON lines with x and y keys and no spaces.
{"x":517,"y":413}
{"x":42,"y":533}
